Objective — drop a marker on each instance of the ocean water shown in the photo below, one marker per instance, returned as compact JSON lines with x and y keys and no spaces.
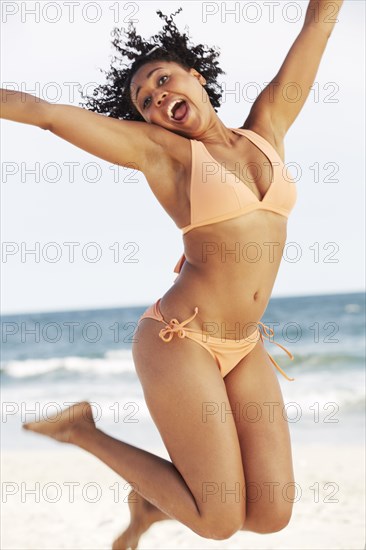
{"x":50,"y":360}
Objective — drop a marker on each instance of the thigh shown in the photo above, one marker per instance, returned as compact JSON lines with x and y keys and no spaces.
{"x":181,"y":382}
{"x":257,"y":405}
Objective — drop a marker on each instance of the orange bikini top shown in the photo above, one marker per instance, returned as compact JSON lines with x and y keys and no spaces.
{"x":217,"y":194}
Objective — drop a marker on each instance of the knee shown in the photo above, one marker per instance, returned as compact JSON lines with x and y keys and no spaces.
{"x":274,"y":523}
{"x":221,"y":529}
{"x":278,"y":524}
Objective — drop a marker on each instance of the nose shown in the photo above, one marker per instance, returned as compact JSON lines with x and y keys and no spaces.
{"x":159,"y":97}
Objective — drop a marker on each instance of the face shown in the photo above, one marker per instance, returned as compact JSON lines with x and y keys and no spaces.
{"x":169,"y":95}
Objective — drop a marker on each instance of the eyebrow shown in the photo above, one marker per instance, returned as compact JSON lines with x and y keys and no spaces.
{"x":147,"y":77}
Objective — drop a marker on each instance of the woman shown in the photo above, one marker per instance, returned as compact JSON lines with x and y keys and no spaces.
{"x":199,"y":351}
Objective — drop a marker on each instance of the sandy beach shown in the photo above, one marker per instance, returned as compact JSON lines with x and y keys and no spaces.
{"x":68,"y":499}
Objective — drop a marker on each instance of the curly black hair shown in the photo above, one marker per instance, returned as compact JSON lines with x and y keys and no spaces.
{"x":114,"y":97}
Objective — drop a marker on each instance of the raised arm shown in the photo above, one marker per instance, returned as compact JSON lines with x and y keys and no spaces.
{"x":122,"y":142}
{"x":281,"y":101}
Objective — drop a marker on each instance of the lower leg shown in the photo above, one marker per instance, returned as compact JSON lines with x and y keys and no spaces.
{"x":142,"y":515}
{"x":154,"y":478}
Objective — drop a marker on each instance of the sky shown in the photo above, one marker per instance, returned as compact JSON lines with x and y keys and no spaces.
{"x":80,"y":233}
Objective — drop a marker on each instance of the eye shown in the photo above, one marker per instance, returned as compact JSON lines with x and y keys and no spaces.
{"x":148,"y":98}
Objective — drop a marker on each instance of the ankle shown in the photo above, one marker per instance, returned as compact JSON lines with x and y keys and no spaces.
{"x":81,"y":432}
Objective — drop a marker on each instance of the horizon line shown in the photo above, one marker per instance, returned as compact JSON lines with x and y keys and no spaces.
{"x":132,"y":306}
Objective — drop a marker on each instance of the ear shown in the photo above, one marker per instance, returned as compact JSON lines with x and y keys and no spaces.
{"x":201,"y":79}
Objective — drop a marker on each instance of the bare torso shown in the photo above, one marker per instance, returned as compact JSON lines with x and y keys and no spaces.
{"x":231,"y":266}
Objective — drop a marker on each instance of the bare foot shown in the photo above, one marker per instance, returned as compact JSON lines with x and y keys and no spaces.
{"x":62,"y":425}
{"x":143,"y":515}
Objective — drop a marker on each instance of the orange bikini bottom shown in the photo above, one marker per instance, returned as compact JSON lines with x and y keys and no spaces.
{"x":226,"y":352}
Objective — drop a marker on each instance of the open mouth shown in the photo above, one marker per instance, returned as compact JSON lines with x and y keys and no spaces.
{"x":178,"y":110}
